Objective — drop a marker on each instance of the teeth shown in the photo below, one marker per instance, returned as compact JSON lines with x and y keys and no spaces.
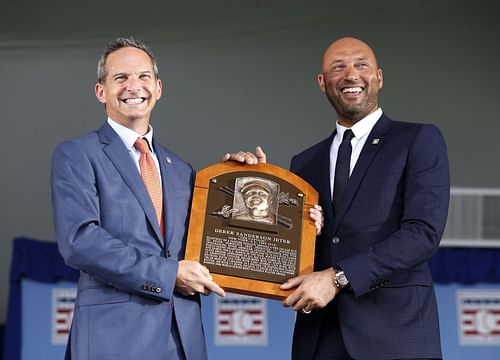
{"x":352,"y":90}
{"x":134,"y":101}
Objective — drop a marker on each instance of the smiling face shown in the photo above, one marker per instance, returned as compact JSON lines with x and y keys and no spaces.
{"x":351,"y":79}
{"x":130,"y":89}
{"x":257,"y":199}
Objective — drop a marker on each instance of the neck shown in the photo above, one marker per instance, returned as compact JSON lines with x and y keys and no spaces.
{"x":258,"y":213}
{"x":140,"y":126}
{"x":348,"y":123}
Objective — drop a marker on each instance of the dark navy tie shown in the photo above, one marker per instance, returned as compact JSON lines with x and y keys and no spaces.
{"x":342,"y":169}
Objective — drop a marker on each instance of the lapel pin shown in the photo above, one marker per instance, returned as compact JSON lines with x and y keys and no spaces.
{"x":375,"y":141}
{"x":168,"y":160}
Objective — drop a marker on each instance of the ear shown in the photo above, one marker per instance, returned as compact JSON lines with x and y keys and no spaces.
{"x":159,"y":89}
{"x":380,"y":79}
{"x":100,"y":93}
{"x":321,"y":82}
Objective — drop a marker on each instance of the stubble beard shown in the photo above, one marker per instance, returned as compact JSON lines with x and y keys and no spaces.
{"x":354,"y":112}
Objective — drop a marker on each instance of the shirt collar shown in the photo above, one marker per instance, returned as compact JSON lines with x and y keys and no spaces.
{"x":129,"y":136}
{"x":363,"y":126}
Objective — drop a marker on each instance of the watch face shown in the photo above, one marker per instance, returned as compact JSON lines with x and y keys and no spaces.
{"x":341,"y":278}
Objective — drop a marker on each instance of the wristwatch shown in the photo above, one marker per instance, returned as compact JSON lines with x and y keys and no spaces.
{"x":340,"y":279}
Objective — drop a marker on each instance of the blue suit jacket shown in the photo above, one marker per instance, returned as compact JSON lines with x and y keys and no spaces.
{"x":107,"y":228}
{"x":389,"y":224}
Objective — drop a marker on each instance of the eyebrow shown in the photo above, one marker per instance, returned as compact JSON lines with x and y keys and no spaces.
{"x":359,"y":58}
{"x":118,"y":73}
{"x":340,"y":61}
{"x":149,"y":72}
{"x":363,"y":58}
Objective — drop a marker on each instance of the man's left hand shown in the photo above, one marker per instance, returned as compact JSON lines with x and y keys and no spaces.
{"x":314,"y":290}
{"x":316,"y":215}
{"x":247,"y":157}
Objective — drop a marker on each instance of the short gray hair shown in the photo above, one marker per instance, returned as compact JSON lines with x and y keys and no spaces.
{"x":120,"y":43}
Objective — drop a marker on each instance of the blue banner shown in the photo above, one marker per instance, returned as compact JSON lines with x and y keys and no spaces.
{"x":43,"y":291}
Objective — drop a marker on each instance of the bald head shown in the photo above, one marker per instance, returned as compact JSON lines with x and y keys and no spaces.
{"x":351,"y":79}
{"x":345,"y":46}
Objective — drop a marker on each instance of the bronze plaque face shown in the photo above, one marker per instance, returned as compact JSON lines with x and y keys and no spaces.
{"x":250,"y":227}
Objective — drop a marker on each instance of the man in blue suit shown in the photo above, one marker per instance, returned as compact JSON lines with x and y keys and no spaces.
{"x":137,"y":298}
{"x":371,"y":295}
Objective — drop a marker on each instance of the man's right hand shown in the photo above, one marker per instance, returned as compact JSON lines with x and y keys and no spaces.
{"x":192,"y":277}
{"x":246,"y":156}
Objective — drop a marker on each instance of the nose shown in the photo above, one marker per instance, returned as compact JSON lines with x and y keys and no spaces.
{"x":133,"y":84}
{"x":351,"y":73}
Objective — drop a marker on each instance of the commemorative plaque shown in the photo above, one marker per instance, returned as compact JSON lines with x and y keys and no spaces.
{"x":250,"y":227}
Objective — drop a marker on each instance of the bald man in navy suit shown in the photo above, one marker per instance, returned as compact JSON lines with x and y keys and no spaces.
{"x":371,"y":295}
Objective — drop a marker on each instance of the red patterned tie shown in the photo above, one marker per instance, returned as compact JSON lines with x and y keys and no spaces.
{"x":151,"y":179}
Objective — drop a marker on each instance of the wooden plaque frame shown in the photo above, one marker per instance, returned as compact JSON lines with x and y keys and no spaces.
{"x":247,"y":284}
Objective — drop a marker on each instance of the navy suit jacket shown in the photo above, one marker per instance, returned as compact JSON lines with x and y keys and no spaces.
{"x":107,"y":228}
{"x":388,"y":225}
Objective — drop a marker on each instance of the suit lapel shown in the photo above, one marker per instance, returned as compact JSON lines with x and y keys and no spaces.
{"x":320,"y":180}
{"x":373,"y":144}
{"x":324,"y":187}
{"x":118,"y":154}
{"x":168,"y":181}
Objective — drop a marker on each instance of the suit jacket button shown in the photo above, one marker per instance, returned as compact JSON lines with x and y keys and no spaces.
{"x":335,"y":240}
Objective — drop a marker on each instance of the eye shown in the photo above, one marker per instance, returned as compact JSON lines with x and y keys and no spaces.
{"x":145,"y":76}
{"x":337,"y":68}
{"x":120,"y":78}
{"x":362,"y":65}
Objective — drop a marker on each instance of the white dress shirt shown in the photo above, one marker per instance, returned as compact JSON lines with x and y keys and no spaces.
{"x":129,"y":137}
{"x":361,"y":130}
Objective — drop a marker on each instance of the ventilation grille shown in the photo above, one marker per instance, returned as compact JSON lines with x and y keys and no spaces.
{"x":473,"y":218}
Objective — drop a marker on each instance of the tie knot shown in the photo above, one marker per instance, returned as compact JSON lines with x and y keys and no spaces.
{"x":348,"y":135}
{"x":141,"y":144}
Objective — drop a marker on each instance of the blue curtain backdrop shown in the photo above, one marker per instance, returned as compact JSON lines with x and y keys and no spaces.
{"x":466,"y":266}
{"x":40,"y":261}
